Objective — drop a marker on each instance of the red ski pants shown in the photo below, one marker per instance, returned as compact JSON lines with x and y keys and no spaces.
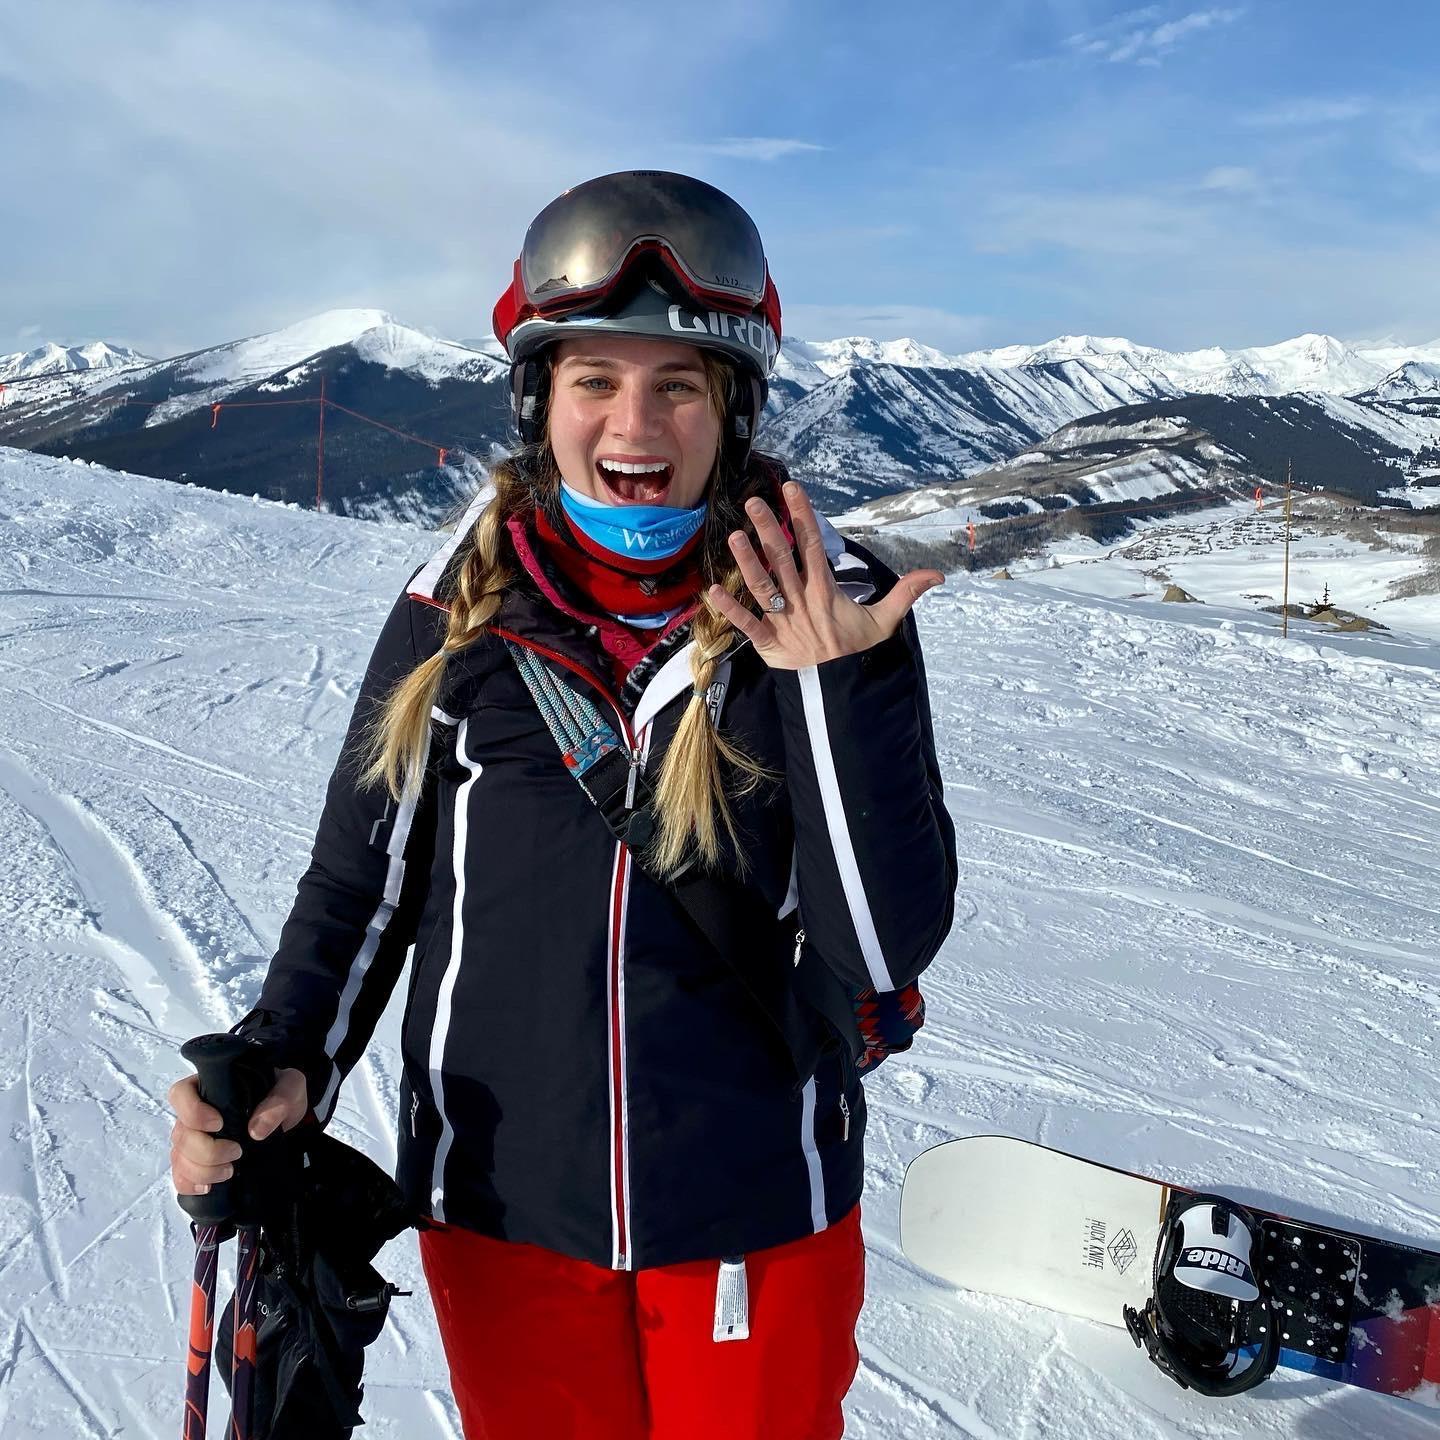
{"x":543,"y":1347}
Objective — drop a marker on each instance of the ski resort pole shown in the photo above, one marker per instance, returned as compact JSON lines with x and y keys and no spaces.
{"x":235,"y":1074}
{"x":1285,"y":596}
{"x":320,"y":453}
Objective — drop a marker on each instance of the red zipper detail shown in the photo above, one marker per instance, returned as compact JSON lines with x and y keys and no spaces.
{"x":617,"y":1064}
{"x":618,"y":898}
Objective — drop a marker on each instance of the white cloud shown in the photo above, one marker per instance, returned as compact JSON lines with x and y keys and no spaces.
{"x":1233,"y":179}
{"x":1411,"y":133}
{"x":1124,"y":41}
{"x":1311,"y":111}
{"x":1405,"y":130}
{"x":755,"y":147}
{"x":192,"y":173}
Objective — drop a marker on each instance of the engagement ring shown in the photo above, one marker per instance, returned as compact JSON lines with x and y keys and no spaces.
{"x":777,"y":601}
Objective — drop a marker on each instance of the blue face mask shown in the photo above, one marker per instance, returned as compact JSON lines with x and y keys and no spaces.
{"x":639,"y":531}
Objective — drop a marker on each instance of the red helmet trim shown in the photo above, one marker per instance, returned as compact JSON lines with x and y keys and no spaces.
{"x":514,"y":306}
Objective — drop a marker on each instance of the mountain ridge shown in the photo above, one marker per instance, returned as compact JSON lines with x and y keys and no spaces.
{"x":857,"y":419}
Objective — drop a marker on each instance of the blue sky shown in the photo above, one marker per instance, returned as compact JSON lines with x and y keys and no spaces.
{"x":1183,"y":174}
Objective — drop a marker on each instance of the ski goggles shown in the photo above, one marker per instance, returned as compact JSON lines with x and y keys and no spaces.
{"x":580,"y":246}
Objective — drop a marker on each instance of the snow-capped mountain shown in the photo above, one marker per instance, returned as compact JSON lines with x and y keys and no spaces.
{"x":874,"y":425}
{"x":283,"y":359}
{"x":834,"y":357}
{"x":157,"y":417}
{"x":279,"y":359}
{"x":1412,"y":380}
{"x":50,"y":359}
{"x":859,"y":417}
{"x":1318,"y":363}
{"x":856,"y":418}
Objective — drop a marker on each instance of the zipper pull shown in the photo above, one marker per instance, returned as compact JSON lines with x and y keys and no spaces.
{"x":636,"y":756}
{"x":414,"y":1107}
{"x":845,"y":1111}
{"x":799,"y":945}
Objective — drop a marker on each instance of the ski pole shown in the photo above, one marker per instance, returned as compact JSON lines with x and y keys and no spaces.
{"x":243,"y":1354}
{"x":202,"y":1331}
{"x":235,"y":1074}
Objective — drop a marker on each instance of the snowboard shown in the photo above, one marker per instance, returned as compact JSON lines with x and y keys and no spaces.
{"x":1012,"y":1218}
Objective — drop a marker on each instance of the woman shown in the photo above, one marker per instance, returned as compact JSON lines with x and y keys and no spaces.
{"x":631,"y":1102}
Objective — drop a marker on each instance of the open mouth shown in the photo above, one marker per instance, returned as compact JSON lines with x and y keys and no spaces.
{"x":637,"y":482}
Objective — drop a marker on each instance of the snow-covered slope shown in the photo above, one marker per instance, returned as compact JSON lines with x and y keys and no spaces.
{"x":1196,"y":933}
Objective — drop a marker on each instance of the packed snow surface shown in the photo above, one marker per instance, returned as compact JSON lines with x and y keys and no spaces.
{"x":1196,"y":934}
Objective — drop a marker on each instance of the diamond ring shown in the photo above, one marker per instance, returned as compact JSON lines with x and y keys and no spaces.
{"x":777,"y":601}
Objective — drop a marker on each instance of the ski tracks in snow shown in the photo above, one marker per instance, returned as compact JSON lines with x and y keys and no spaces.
{"x":155,"y":828}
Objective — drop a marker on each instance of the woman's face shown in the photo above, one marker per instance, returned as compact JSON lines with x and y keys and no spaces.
{"x":619,"y":400}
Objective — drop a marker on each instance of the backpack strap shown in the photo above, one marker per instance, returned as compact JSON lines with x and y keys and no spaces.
{"x":593,"y":753}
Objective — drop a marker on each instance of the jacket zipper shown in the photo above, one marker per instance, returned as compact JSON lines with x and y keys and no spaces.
{"x":839,"y":1059}
{"x":616,"y":985}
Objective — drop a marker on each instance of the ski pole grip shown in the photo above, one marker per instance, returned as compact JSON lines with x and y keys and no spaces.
{"x":236,"y":1073}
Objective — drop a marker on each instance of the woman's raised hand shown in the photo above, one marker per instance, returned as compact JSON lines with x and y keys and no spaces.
{"x":817,"y":622}
{"x":198,"y":1157}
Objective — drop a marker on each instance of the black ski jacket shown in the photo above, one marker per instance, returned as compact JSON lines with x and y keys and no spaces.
{"x":582,"y":1070}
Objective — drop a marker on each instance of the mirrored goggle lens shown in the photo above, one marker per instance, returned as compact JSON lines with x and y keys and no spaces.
{"x":578,"y":243}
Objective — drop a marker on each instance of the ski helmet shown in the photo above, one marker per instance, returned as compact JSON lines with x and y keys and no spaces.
{"x":647,"y":253}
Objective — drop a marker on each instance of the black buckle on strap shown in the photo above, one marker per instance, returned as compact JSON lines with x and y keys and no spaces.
{"x":609,"y":781}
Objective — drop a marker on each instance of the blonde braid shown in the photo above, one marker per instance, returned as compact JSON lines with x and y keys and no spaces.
{"x":392,"y":743}
{"x":692,"y":802}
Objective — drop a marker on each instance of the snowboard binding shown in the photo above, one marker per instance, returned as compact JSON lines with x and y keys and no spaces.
{"x":1207,"y":1312}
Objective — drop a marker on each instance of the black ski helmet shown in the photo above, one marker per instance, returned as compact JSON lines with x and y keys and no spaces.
{"x":648,"y":253}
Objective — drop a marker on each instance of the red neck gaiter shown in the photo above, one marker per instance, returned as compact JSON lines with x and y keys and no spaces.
{"x":621,"y":584}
